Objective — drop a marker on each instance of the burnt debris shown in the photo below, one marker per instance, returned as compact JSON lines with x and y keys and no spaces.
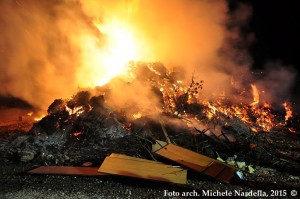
{"x":86,"y":129}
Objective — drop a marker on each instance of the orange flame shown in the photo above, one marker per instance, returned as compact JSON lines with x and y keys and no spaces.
{"x":76,"y":134}
{"x":288,"y":111}
{"x":77,"y":110}
{"x":255,"y":96}
{"x":137,"y":115}
{"x":292,"y":130}
{"x":39,"y":118}
{"x":122,"y":48}
{"x":259,"y":117}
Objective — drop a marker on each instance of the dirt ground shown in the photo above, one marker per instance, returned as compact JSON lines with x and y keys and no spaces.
{"x":17,"y":184}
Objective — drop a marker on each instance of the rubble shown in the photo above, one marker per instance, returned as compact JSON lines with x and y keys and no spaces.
{"x":27,"y":156}
{"x":85,"y":129}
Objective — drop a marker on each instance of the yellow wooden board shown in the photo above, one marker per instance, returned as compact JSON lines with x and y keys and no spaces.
{"x":185,"y":157}
{"x":196,"y":161}
{"x":123,"y":165}
{"x":122,"y":156}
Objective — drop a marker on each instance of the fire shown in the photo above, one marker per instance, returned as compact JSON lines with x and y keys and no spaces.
{"x":76,"y":134}
{"x":109,"y":55}
{"x":219,"y":109}
{"x":259,"y":117}
{"x":255,"y":96}
{"x":77,"y":110}
{"x":39,"y":118}
{"x":292,"y":130}
{"x":212,"y":111}
{"x":137,"y":115}
{"x":265,"y":119}
{"x":121,"y":42}
{"x":288,"y":110}
{"x":108,"y":36}
{"x":122,"y":48}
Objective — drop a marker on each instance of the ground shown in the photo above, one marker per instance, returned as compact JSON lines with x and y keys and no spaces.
{"x":21,"y":151}
{"x":15,"y":183}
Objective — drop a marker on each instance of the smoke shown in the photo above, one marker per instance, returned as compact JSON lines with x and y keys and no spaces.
{"x":51,"y":49}
{"x":277,"y":82}
{"x":38,"y":60}
{"x":184,"y":33}
{"x":200,"y":38}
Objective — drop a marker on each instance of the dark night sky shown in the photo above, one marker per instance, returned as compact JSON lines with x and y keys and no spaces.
{"x":275,"y":25}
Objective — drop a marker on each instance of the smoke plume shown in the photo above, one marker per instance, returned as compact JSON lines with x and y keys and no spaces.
{"x":48,"y":49}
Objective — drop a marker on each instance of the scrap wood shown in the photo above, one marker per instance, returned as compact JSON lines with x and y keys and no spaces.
{"x":67,"y":170}
{"x":288,"y":155}
{"x":195,"y":161}
{"x":119,"y":164}
{"x":212,"y":138}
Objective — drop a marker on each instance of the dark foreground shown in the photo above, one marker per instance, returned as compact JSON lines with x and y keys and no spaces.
{"x":15,"y":183}
{"x":63,"y":139}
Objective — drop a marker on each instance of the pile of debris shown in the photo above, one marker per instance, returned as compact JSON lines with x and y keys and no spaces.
{"x":85,"y":129}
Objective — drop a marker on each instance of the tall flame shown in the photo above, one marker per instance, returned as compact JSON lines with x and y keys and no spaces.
{"x":122,"y":48}
{"x":288,"y":111}
{"x":255,"y":96}
{"x":106,"y":60}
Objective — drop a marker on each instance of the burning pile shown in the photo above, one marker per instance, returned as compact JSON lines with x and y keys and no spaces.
{"x":259,"y":117}
{"x":87,"y":127}
{"x":129,"y":100}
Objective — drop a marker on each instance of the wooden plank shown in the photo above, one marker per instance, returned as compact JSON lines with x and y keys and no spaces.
{"x":123,"y":165}
{"x":67,"y":170}
{"x":214,"y":169}
{"x":122,"y":156}
{"x":158,"y":145}
{"x":227,"y":174}
{"x":198,"y":162}
{"x":185,"y":156}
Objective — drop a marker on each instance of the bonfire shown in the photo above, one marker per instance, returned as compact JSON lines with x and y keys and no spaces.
{"x":115,"y":88}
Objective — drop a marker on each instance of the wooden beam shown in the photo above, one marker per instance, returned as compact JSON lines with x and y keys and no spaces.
{"x":196,"y":161}
{"x":119,"y":164}
{"x":67,"y":170}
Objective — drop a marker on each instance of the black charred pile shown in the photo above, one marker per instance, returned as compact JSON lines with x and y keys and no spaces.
{"x":66,"y":136}
{"x":85,"y":129}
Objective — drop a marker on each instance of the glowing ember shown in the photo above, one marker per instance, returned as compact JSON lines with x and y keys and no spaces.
{"x":76,"y":134}
{"x":292,"y":130}
{"x":39,"y":118}
{"x":254,"y":129}
{"x":77,"y":110}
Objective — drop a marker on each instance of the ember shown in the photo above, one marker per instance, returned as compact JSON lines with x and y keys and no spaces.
{"x":76,"y":134}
